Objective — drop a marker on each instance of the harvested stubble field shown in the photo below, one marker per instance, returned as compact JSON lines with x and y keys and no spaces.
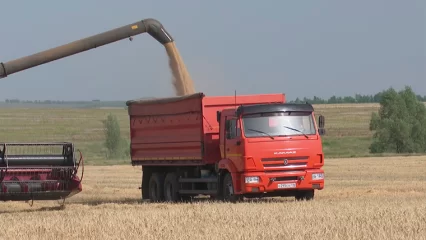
{"x":364,"y":198}
{"x":347,"y":128}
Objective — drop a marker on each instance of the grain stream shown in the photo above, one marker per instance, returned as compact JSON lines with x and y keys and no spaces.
{"x":181,"y":79}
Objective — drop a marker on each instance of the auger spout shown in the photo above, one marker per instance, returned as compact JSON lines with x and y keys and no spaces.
{"x":149,"y":25}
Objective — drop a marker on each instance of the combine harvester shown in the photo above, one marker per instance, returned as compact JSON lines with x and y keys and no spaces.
{"x":227,"y":147}
{"x":48,"y":171}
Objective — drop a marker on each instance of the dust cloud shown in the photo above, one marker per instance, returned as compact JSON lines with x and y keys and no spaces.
{"x":181,"y":79}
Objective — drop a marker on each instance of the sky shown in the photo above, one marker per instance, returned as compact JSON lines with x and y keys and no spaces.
{"x":300,"y":48}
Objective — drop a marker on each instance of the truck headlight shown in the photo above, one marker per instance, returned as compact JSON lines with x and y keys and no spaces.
{"x":317,"y":176}
{"x":252,"y":179}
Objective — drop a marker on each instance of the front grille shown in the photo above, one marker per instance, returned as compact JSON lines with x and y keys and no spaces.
{"x":299,"y":164}
{"x":286,"y":178}
{"x":285,"y":163}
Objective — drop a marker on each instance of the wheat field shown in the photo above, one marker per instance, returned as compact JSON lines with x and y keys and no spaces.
{"x":364,"y":198}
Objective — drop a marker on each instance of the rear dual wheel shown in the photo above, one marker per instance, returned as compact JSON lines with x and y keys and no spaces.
{"x":164,"y":188}
{"x":171,"y":187}
{"x":156,"y":183}
{"x":145,"y":185}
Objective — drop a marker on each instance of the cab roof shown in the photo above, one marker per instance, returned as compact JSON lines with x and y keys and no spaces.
{"x":277,"y":107}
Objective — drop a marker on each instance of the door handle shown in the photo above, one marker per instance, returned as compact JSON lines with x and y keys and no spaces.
{"x":227,"y":149}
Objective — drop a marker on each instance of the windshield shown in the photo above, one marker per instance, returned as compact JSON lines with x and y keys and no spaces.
{"x":278,"y":124}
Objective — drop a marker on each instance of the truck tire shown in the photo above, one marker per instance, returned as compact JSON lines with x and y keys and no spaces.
{"x":171,"y":187}
{"x":305,"y":195}
{"x":228,"y":190}
{"x":145,"y":185}
{"x":156,"y":185}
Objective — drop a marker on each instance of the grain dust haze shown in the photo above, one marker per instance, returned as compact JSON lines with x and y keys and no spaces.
{"x":181,"y":79}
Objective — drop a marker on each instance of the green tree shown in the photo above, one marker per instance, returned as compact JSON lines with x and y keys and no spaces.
{"x":112,"y":135}
{"x":400,"y":124}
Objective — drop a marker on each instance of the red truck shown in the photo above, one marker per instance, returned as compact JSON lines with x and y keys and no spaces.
{"x":228,"y":147}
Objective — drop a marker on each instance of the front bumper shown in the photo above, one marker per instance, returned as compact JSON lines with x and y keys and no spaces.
{"x":282,"y":181}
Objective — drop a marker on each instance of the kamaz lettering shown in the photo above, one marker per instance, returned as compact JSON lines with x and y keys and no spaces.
{"x":286,"y":152}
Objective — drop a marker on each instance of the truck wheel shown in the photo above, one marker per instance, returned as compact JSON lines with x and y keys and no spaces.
{"x":156,"y":183}
{"x":228,"y":190}
{"x":145,"y":185}
{"x":305,"y":195}
{"x":171,"y":187}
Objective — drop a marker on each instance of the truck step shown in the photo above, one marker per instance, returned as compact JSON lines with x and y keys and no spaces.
{"x":198,"y":180}
{"x":205,"y":192}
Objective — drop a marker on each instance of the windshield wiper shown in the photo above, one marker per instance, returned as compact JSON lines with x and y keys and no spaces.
{"x":254,"y":130}
{"x":297,"y":130}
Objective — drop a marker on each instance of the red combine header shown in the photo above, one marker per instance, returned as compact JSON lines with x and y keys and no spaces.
{"x":38,"y":171}
{"x":226,"y":147}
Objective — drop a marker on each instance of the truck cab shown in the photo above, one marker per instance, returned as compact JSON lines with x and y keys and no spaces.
{"x":271,"y":150}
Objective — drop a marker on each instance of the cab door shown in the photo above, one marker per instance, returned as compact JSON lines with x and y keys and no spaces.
{"x":233,"y":149}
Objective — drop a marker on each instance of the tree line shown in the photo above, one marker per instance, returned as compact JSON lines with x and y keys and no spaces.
{"x":15,"y":100}
{"x":358,"y":98}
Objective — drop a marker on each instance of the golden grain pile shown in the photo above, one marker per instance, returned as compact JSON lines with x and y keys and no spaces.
{"x":365,"y":198}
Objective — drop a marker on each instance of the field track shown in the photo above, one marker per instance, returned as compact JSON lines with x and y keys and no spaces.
{"x":364,"y":198}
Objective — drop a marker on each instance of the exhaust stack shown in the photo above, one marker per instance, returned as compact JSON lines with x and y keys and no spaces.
{"x":149,"y":25}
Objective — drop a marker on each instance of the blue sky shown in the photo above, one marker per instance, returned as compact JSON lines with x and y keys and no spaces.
{"x":301,"y":48}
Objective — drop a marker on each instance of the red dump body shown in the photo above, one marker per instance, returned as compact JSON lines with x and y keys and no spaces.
{"x":182,"y":130}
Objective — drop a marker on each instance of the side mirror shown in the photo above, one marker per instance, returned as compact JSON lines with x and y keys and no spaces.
{"x":321,"y":121}
{"x":218,"y":116}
